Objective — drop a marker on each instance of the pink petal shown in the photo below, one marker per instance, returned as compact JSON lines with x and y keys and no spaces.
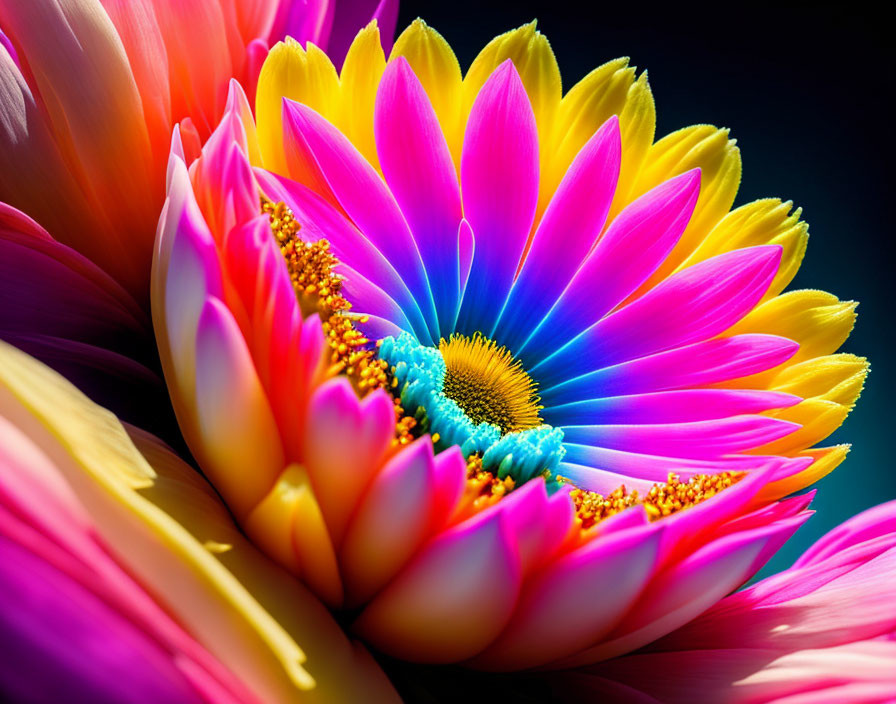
{"x":234,"y":420}
{"x":345,"y":440}
{"x":362,"y":194}
{"x":418,"y":167}
{"x":700,"y":364}
{"x":635,"y":244}
{"x":692,"y":305}
{"x":437,"y":610}
{"x":703,"y":440}
{"x":499,"y":182}
{"x":689,"y":588}
{"x":686,"y":405}
{"x":576,"y":600}
{"x":391,"y":521}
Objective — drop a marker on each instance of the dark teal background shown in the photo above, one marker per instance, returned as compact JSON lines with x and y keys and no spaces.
{"x":806,"y":93}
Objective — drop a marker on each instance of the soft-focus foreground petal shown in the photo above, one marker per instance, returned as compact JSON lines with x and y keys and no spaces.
{"x":93,"y":88}
{"x":164,"y":527}
{"x":821,"y":631}
{"x":62,"y":309}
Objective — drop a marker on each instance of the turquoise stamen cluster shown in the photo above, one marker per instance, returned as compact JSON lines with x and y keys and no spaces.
{"x":420,"y":372}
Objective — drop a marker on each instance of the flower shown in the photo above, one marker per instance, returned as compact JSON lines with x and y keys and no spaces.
{"x":92,"y":88}
{"x":125,"y":581}
{"x":460,"y":533}
{"x":110,"y":524}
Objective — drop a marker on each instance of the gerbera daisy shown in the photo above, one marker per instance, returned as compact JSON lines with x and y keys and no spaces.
{"x":456,"y":396}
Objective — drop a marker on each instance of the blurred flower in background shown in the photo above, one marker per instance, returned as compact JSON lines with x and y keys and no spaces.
{"x":89,"y":93}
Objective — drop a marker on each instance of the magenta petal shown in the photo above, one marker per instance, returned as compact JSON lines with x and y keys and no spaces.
{"x":70,"y":652}
{"x":576,"y":600}
{"x":701,"y":440}
{"x":685,"y":405}
{"x":418,"y":167}
{"x":690,"y":587}
{"x":320,"y":220}
{"x":700,"y":364}
{"x":875,"y":522}
{"x":691,"y":305}
{"x":390,"y":522}
{"x":351,"y":16}
{"x":634,"y":245}
{"x":363,"y":196}
{"x":454,"y":597}
{"x":567,"y":231}
{"x":499,"y":182}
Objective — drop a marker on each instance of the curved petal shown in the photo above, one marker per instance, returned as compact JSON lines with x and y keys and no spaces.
{"x":436,"y":610}
{"x":708,"y":298}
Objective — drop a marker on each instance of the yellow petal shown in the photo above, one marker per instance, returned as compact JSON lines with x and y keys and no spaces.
{"x":608,"y":90}
{"x":709,"y":149}
{"x":169,"y":528}
{"x":637,"y":127}
{"x":289,"y":524}
{"x":818,"y":321}
{"x":827,"y":459}
{"x":360,"y":77}
{"x":837,"y":377}
{"x":534,"y":60}
{"x":767,"y":221}
{"x":589,"y":103}
{"x":104,"y":469}
{"x":435,"y":64}
{"x":189,"y":499}
{"x":304,"y":76}
{"x":829,"y":386}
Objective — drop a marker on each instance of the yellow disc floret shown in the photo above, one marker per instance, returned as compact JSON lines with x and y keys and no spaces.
{"x":488,"y":384}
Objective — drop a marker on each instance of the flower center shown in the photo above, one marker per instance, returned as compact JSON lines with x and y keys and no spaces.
{"x":488,"y":384}
{"x":470,"y":392}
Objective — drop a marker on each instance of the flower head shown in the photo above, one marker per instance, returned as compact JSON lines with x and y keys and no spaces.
{"x":429,"y":379}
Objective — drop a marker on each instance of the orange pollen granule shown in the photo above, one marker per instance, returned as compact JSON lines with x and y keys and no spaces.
{"x":318,"y":288}
{"x":483,"y":489}
{"x":662,"y":499}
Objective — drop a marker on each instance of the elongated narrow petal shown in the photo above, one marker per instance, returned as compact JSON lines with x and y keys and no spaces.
{"x":567,"y":232}
{"x":649,"y":228}
{"x":418,"y":168}
{"x":499,"y":180}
